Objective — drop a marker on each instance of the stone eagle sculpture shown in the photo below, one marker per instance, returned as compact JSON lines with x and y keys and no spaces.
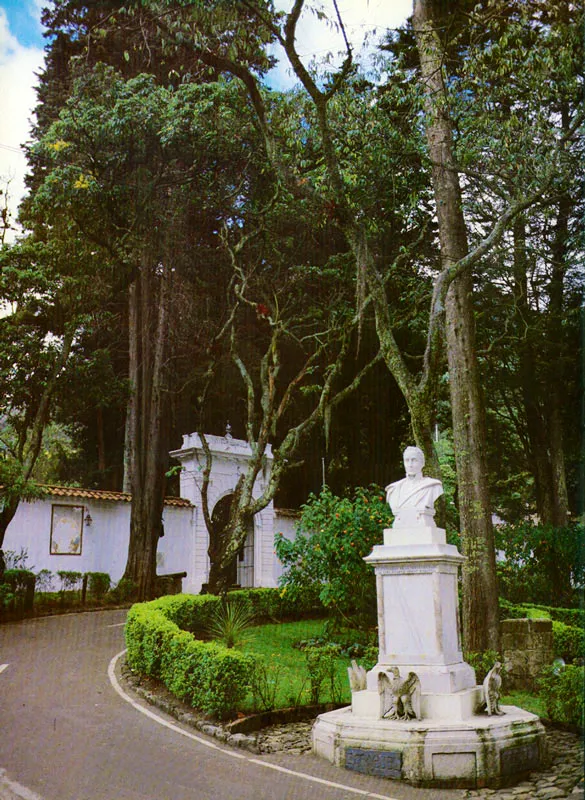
{"x":492,"y":687}
{"x":400,"y":696}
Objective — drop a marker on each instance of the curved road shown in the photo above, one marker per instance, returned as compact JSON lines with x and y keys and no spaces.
{"x":69,"y":732}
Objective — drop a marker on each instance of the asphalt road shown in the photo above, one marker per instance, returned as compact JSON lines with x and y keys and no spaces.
{"x":68,"y":731}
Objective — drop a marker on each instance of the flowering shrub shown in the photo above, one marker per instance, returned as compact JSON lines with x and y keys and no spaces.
{"x":326,"y":558}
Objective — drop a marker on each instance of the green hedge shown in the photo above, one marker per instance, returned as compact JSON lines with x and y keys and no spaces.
{"x":569,"y":616}
{"x":17,"y":591}
{"x":278,"y":604}
{"x":191,"y":612}
{"x":567,"y":623}
{"x":207,"y":675}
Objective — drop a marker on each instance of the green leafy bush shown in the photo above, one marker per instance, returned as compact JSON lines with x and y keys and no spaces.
{"x":276,"y":604}
{"x":17,"y":590}
{"x":562,"y":688}
{"x":326,"y":558}
{"x":322,"y":668}
{"x":44,"y":580}
{"x":98,"y":584}
{"x":19,"y":580}
{"x":70,"y":581}
{"x":543,"y":564}
{"x":265,"y":683}
{"x":210,"y":676}
{"x":482,"y":662}
{"x":568,"y":641}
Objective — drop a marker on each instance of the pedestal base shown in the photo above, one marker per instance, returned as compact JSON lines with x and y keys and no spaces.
{"x":443,"y":678}
{"x":448,"y":706}
{"x":472,"y":753}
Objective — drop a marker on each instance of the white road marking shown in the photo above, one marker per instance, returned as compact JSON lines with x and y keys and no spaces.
{"x":116,"y":625}
{"x":232,"y":753}
{"x":314,"y":779}
{"x":16,"y":790}
{"x":152,"y":715}
{"x":3,"y":667}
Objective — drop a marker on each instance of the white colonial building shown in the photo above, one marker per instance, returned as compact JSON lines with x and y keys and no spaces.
{"x":87,"y":530}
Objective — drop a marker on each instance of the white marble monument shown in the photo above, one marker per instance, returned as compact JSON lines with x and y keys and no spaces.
{"x":419,"y":716}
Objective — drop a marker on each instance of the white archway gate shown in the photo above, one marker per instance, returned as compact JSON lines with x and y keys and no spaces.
{"x":255,"y":562}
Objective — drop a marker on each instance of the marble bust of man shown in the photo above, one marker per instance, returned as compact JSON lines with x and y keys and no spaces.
{"x":412,"y":499}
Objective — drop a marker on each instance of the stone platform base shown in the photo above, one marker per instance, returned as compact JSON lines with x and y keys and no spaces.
{"x":481,"y":751}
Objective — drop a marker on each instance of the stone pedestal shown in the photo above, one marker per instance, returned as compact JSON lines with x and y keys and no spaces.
{"x":418,"y":610}
{"x":480,"y":751}
{"x":452,"y":744}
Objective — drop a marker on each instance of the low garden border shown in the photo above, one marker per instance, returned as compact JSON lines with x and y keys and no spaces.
{"x":209,"y":676}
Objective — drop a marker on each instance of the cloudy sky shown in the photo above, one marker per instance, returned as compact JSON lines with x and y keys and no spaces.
{"x":21,"y":57}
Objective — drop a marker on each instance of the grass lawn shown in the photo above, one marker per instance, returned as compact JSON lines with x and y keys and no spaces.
{"x":287,"y":674}
{"x":529,"y":702}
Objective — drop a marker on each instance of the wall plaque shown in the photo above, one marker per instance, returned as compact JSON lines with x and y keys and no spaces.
{"x":521,"y":758}
{"x":381,"y":763}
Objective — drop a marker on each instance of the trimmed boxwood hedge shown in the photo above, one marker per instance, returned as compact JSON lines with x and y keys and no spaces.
{"x":161,"y":643}
{"x":207,"y":675}
{"x":568,"y":616}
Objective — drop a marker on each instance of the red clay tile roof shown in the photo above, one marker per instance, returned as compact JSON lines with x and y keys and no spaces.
{"x":101,"y":494}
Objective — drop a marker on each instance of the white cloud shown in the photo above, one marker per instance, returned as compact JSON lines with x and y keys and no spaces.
{"x":18,"y":65}
{"x":365,"y":23}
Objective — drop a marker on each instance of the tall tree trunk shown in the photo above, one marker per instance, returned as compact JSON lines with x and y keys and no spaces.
{"x":530,"y":385}
{"x":149,"y":428}
{"x":101,"y":444}
{"x":480,"y":595}
{"x":541,"y":384}
{"x":130,"y":426}
{"x":555,"y":378}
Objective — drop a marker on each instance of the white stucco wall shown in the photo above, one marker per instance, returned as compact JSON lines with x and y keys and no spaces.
{"x":184,"y":546}
{"x":104,"y":542}
{"x":285,"y":522}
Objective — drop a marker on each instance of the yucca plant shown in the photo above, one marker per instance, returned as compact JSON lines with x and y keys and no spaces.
{"x":230,"y":623}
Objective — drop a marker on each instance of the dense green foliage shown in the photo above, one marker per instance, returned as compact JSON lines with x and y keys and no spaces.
{"x":293,"y":229}
{"x":98,"y":584}
{"x":562,"y":691}
{"x":543,"y":563}
{"x":17,"y":588}
{"x":326,"y":558}
{"x":568,"y":642}
{"x":24,"y":592}
{"x":267,"y":672}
